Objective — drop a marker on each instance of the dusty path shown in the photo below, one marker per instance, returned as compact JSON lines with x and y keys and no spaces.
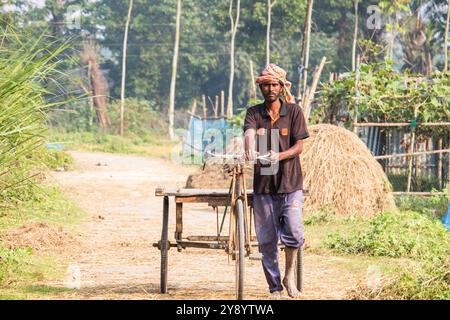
{"x":116,"y":259}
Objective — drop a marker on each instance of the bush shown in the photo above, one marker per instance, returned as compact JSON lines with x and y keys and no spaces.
{"x":433,"y":207}
{"x":23,"y":72}
{"x":53,"y":159}
{"x":140,"y":118}
{"x":11,"y":264}
{"x":406,"y":234}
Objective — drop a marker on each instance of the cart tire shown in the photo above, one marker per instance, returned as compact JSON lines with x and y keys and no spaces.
{"x":164,"y":246}
{"x":299,"y":269}
{"x":240,"y":250}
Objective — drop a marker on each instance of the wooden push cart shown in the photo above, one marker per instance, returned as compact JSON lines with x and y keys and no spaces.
{"x":238,"y":242}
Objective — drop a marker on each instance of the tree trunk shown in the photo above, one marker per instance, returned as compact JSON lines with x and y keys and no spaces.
{"x":174,"y":73}
{"x":57,"y":12}
{"x":342,"y":24}
{"x":252,"y":78}
{"x":234,"y":25}
{"x":270,"y":4}
{"x":355,"y":37}
{"x":446,"y":39}
{"x":97,"y":82}
{"x":124,"y":67}
{"x":305,"y":48}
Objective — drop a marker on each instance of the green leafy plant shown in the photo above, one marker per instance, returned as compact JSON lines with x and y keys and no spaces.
{"x":11,"y":264}
{"x":26,"y":68}
{"x":386,"y":95}
{"x":405,"y":234}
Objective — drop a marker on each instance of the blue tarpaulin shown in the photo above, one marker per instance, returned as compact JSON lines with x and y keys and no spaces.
{"x":446,"y":218}
{"x":206,"y":134}
{"x":54,"y":146}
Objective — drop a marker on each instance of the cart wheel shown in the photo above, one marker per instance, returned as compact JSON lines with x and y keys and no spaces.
{"x":164,"y":246}
{"x":299,"y":269}
{"x":240,"y":250}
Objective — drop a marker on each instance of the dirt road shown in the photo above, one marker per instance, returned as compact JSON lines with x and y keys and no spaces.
{"x":116,"y":259}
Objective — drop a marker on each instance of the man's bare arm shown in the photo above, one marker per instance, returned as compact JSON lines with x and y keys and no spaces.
{"x":292,"y":152}
{"x":249,"y":144}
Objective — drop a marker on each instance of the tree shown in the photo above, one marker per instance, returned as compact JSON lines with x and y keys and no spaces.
{"x":124,"y":67}
{"x":355,"y":37}
{"x":270,"y":4}
{"x":446,"y":43}
{"x":174,"y":71}
{"x":234,"y":26}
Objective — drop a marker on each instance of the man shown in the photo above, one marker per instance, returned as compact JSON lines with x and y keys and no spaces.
{"x":280,"y":128}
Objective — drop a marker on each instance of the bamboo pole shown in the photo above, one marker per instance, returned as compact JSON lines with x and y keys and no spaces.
{"x":401,"y":124}
{"x":355,"y":37}
{"x":357,"y":77}
{"x":234,"y":26}
{"x":411,"y":150}
{"x":439,"y":174}
{"x":216,"y":107}
{"x":400,"y":155}
{"x":308,"y":40}
{"x":252,"y":77}
{"x":446,"y":39}
{"x":204,"y":105}
{"x":124,"y":67}
{"x":418,"y":193}
{"x":312,"y":90}
{"x":448,"y":169}
{"x":303,"y":49}
{"x":270,"y":4}
{"x":173,"y":80}
{"x":222,"y":103}
{"x":194,"y":107}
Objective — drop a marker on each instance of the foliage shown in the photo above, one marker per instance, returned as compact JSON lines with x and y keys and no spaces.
{"x":140,"y":118}
{"x":24,"y":72}
{"x":11,"y":264}
{"x":405,"y":234}
{"x":433,"y":207}
{"x":385,"y":95}
{"x":52,"y":159}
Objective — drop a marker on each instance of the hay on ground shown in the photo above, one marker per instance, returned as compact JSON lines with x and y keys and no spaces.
{"x":39,"y":236}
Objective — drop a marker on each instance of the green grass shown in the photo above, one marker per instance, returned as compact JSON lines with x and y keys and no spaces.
{"x":23,"y":271}
{"x":412,"y":250}
{"x":404,"y":234}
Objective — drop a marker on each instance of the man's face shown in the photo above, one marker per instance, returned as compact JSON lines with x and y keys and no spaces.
{"x":271,"y":90}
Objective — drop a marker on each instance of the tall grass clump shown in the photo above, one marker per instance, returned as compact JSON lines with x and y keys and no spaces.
{"x":420,"y":238}
{"x":26,"y":70}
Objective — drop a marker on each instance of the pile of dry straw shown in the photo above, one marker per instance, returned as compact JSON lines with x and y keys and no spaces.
{"x":338,"y":169}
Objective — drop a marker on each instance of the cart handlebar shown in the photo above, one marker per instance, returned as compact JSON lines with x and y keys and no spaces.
{"x":237,"y":156}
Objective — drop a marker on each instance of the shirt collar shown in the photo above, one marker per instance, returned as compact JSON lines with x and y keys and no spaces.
{"x":283,"y":109}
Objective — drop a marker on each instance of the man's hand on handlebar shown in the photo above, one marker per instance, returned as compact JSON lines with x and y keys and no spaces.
{"x":274,"y":157}
{"x":251,"y":155}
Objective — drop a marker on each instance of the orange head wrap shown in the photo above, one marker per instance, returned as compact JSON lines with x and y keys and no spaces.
{"x":273,"y":72}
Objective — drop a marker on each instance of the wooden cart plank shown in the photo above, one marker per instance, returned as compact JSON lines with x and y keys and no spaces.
{"x":193,"y":192}
{"x":182,"y":192}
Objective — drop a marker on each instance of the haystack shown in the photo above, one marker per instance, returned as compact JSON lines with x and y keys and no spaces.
{"x":341,"y":173}
{"x":338,"y":170}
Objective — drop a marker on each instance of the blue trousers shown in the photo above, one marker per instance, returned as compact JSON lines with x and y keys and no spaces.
{"x":277,"y":216}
